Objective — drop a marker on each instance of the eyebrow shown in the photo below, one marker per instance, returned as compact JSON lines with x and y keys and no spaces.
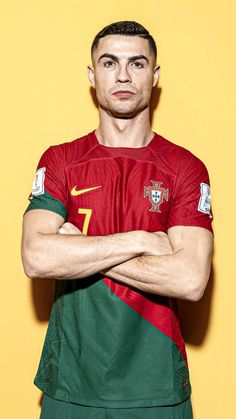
{"x":116,"y":59}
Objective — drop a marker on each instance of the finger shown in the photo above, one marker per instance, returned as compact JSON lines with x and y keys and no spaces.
{"x":70,"y":227}
{"x":161,"y":233}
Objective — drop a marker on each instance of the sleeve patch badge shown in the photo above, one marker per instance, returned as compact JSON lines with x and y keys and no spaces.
{"x":38,"y":184}
{"x":205,"y":199}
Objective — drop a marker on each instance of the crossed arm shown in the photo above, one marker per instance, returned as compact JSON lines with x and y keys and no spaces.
{"x":175,"y":265}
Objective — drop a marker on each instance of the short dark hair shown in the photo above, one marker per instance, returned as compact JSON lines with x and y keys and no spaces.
{"x":126,"y":28}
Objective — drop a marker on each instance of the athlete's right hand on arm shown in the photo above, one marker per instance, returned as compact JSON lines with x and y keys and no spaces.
{"x":69,"y":228}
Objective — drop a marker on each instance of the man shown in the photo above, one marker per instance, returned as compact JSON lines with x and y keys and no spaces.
{"x":122,"y":218}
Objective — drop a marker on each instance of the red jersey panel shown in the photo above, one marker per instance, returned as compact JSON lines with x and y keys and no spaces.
{"x":150,"y":188}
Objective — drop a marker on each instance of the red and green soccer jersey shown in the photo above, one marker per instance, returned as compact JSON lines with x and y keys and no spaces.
{"x":108,"y":344}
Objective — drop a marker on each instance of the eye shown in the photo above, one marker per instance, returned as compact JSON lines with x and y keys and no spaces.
{"x":137,"y":64}
{"x":109,"y":63}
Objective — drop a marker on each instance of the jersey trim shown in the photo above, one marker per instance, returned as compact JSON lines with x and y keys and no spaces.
{"x":47,"y":202}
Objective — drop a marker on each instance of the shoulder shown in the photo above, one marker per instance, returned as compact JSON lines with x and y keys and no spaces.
{"x":180,"y":157}
{"x":67,"y":153}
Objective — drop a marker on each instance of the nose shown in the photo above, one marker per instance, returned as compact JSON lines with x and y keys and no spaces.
{"x":123,"y":75}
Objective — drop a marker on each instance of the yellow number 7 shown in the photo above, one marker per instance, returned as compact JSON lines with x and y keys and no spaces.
{"x":88,"y":213}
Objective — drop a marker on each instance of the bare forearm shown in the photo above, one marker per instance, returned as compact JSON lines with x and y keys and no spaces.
{"x":169,"y":275}
{"x":54,"y":249}
{"x":77,"y":256}
{"x":153,"y":274}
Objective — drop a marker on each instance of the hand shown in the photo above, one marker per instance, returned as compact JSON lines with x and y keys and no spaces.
{"x":154,"y":244}
{"x":157,"y":244}
{"x":69,"y":228}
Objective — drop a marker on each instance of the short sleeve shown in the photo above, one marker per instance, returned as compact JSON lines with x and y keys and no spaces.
{"x":49,"y":186}
{"x":191,"y":198}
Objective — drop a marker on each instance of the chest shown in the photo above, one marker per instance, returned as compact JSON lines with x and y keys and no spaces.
{"x":118,"y":194}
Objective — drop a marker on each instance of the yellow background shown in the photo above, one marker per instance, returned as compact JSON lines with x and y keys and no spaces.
{"x":45,"y":100}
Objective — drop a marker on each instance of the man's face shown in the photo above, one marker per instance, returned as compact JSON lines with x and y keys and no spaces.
{"x":123,"y":74}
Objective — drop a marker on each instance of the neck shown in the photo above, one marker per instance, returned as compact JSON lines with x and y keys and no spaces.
{"x":115,"y":132}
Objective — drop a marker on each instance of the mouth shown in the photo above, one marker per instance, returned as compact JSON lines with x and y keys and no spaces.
{"x":124,"y":94}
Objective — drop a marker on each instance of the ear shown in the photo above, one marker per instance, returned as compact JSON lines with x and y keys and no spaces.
{"x":91,"y":75}
{"x":156,"y":73}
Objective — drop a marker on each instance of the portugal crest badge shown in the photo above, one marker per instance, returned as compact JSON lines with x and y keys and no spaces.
{"x":156,"y":195}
